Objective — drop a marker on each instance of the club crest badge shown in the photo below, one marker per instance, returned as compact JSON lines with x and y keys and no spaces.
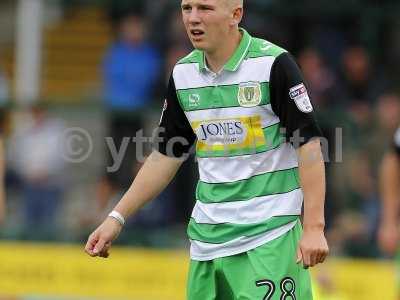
{"x":194,"y":100}
{"x":249,"y":94}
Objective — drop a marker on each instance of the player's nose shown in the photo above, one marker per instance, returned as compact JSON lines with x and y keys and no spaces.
{"x":194,"y":17}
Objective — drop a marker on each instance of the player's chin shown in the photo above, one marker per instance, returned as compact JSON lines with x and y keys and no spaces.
{"x":199,"y":45}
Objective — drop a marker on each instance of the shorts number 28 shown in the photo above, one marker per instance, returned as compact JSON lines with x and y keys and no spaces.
{"x":287,"y":288}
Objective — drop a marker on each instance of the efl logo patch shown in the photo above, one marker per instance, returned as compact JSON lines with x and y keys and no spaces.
{"x":300,"y":96}
{"x":249,"y":94}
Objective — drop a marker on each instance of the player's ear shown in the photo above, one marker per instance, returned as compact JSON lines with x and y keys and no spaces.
{"x":237,"y":15}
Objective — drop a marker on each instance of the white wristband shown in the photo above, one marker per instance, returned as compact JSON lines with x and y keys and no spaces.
{"x":117,"y":216}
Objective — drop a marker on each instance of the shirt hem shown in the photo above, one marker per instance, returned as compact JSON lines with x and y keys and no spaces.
{"x":240,"y":250}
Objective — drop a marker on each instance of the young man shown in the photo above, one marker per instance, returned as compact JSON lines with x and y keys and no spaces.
{"x":2,"y":184}
{"x":235,"y":94}
{"x":4,"y":96}
{"x":389,"y":231}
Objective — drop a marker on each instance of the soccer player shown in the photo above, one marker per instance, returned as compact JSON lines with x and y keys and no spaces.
{"x":243,"y":101}
{"x":389,"y":179}
{"x":388,"y":234}
{"x":2,"y":184}
{"x":2,"y":170}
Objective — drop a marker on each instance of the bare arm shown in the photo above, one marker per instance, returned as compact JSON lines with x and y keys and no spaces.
{"x":389,"y":181}
{"x":312,"y":178}
{"x":153,"y":177}
{"x":156,"y":173}
{"x":313,"y":247}
{"x":390,"y":189}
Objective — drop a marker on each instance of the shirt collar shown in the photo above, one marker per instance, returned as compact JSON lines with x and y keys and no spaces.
{"x":237,"y":57}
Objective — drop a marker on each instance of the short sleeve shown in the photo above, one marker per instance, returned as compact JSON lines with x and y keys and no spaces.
{"x":175,"y":135}
{"x":290,"y":101}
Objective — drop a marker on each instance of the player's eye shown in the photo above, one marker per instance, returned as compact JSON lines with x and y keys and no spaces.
{"x":205,"y":7}
{"x":186,"y":8}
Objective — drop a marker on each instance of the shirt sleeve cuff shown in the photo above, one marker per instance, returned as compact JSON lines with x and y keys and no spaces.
{"x":304,"y":135}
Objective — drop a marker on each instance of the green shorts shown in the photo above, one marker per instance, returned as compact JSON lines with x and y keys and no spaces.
{"x":268,"y":272}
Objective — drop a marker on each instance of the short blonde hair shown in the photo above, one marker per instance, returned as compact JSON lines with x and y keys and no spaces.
{"x":235,"y":2}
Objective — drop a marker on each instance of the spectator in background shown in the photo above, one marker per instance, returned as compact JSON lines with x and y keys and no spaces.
{"x":4,"y":95}
{"x":388,"y":113}
{"x":320,"y":79}
{"x":2,"y":171}
{"x":131,"y":71}
{"x":131,"y":66}
{"x":177,"y":44}
{"x":358,"y":80}
{"x":362,"y":168}
{"x":362,"y":84}
{"x":2,"y":186}
{"x":36,"y":159}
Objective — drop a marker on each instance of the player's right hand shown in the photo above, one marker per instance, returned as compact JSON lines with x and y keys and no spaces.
{"x":388,"y":238}
{"x":99,"y":242}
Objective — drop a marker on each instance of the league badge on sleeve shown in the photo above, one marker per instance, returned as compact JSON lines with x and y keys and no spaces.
{"x":300,"y":96}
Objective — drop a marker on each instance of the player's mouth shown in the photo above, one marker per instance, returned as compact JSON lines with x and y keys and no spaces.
{"x":197,"y":34}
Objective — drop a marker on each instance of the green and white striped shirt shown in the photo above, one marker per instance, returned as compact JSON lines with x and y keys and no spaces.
{"x":248,"y":192}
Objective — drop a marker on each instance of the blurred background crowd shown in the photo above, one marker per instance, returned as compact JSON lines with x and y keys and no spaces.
{"x":103,"y":66}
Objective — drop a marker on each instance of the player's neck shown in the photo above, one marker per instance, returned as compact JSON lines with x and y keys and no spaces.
{"x":217,"y":59}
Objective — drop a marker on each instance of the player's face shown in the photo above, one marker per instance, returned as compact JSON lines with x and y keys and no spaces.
{"x":207,"y":23}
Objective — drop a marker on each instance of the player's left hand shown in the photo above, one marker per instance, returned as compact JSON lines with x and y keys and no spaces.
{"x":313,"y":248}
